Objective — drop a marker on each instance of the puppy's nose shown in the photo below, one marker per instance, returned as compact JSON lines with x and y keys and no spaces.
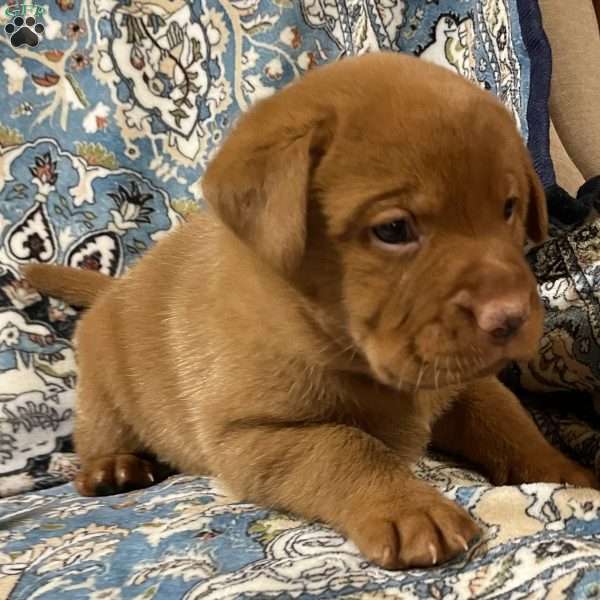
{"x":501,"y":317}
{"x":508,"y":326}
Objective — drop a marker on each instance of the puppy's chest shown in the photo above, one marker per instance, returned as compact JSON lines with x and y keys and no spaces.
{"x":404,"y":421}
{"x":431,"y":404}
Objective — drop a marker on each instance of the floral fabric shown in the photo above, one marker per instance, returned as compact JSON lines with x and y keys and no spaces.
{"x":186,"y":539}
{"x":110,"y":111}
{"x":568,"y":271}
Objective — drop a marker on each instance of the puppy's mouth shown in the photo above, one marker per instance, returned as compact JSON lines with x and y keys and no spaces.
{"x":443,"y":371}
{"x":435,"y":358}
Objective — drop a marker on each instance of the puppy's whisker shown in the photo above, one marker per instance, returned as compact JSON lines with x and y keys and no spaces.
{"x":476,"y":357}
{"x":436,"y":373}
{"x":400,"y":379}
{"x":447,"y":370}
{"x":336,"y":352}
{"x":422,"y":370}
{"x":459,"y":370}
{"x":480,"y":355}
{"x":349,"y":347}
{"x":452,"y":371}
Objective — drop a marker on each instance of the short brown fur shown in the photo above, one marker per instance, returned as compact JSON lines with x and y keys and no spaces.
{"x":273,"y":343}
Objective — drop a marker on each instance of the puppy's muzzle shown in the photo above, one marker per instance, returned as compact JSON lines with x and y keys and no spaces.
{"x":498,"y":299}
{"x":501,"y":317}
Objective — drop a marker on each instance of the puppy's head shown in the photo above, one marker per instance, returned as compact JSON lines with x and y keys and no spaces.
{"x":397,"y":196}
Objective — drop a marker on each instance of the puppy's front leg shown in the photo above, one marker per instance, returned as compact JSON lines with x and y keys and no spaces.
{"x":488,"y":426}
{"x":350,"y":480}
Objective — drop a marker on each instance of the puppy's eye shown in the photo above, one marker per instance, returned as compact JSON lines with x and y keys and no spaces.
{"x":395,"y":233}
{"x":509,"y":208}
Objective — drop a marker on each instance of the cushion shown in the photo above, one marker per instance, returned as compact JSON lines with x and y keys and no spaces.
{"x":111,"y":111}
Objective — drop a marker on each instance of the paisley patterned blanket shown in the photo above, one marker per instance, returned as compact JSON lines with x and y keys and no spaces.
{"x":186,"y":539}
{"x":110,"y":111}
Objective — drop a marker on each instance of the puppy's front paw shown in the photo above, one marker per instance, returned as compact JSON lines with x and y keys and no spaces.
{"x":397,"y":536}
{"x":114,"y":474}
{"x":546,"y":466}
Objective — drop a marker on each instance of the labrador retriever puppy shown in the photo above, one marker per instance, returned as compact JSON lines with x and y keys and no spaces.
{"x":347,"y":299}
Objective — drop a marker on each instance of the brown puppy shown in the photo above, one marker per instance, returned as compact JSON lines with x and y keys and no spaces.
{"x":358,"y":285}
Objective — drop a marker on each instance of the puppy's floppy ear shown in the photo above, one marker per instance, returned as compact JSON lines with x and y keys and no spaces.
{"x":536,"y":224}
{"x":259,"y":183}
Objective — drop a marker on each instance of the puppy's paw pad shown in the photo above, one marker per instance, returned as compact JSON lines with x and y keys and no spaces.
{"x":570,"y":473}
{"x":549,"y":468}
{"x":114,"y":475}
{"x":423,"y":536}
{"x":581,"y":477}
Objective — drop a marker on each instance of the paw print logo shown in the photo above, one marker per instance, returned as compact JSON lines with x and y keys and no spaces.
{"x":24,"y":31}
